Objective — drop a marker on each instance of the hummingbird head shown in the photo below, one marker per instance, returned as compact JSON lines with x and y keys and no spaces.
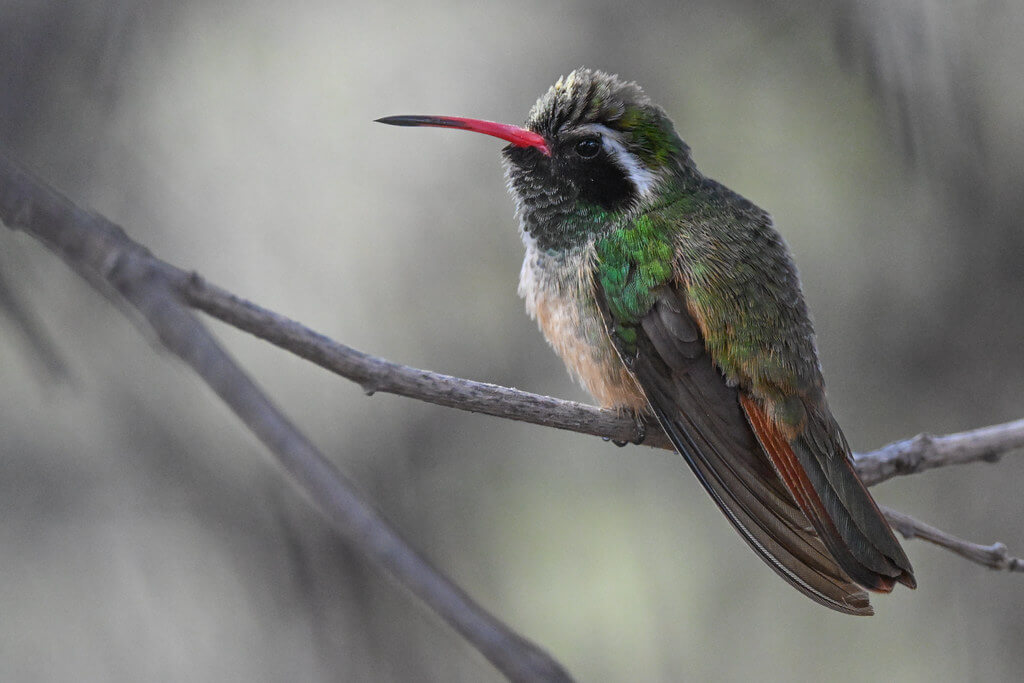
{"x":594,"y":148}
{"x":612,"y":151}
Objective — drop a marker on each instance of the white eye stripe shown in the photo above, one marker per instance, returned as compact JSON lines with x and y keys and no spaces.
{"x":642,"y":177}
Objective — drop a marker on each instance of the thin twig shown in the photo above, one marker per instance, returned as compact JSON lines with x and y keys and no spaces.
{"x":995,"y":556}
{"x":376,"y":374}
{"x":102,"y":253}
{"x":926,"y":451}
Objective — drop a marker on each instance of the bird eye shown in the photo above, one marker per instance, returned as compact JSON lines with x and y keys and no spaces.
{"x":588,"y":147}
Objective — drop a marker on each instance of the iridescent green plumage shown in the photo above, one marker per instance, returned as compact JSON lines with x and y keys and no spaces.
{"x":632,"y":262}
{"x":689,"y":278}
{"x":667,"y":293}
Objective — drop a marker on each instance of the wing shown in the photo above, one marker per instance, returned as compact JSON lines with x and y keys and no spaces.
{"x":704,"y":418}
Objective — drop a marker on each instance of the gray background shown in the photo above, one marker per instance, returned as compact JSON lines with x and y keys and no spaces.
{"x":145,"y":536}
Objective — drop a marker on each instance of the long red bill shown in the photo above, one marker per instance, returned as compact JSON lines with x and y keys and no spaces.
{"x":520,"y":137}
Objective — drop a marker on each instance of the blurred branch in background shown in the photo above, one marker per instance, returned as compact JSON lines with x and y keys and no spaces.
{"x":105,"y":257}
{"x":916,"y":58}
{"x":38,"y":341}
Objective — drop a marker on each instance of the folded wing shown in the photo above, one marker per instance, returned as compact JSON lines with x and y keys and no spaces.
{"x":704,"y":418}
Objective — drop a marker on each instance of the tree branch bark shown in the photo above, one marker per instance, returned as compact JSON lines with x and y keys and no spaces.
{"x":927,"y":451}
{"x":995,"y":556}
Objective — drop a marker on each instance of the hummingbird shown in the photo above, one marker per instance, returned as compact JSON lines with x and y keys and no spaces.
{"x":667,"y":294}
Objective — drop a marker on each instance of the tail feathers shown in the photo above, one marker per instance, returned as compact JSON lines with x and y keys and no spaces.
{"x":824,"y":442}
{"x":773,"y":529}
{"x":831,"y":495}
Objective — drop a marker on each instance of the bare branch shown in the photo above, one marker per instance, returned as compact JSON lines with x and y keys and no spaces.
{"x":925,"y":451}
{"x":994,"y":556}
{"x":375,"y":374}
{"x":102,"y":253}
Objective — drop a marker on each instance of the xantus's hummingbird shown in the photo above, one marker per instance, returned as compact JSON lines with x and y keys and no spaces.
{"x":667,"y":293}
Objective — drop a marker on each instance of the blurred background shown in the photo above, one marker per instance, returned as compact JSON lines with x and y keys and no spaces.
{"x":144,"y":535}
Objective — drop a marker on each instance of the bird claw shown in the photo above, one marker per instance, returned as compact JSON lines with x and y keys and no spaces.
{"x":641,"y":430}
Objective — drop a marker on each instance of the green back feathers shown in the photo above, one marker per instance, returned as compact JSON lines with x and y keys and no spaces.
{"x":740,"y":307}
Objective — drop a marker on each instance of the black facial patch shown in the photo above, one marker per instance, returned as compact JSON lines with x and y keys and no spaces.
{"x":600,"y":180}
{"x":558,"y":194}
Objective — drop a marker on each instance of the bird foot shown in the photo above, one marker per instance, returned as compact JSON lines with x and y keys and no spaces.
{"x":641,"y":430}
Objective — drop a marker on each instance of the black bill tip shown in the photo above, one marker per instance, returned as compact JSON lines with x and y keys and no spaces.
{"x":442,"y":122}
